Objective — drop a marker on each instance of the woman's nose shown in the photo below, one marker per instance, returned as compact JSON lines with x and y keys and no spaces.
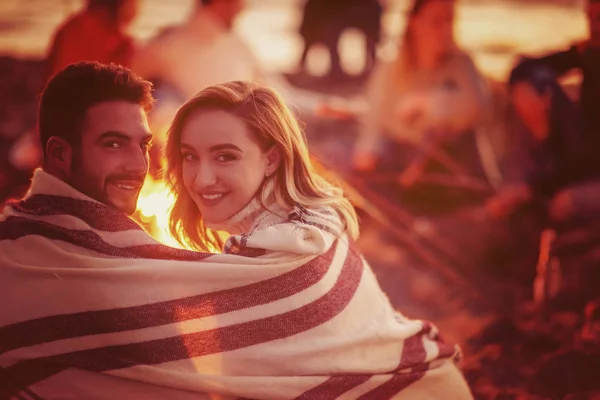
{"x":205,"y":177}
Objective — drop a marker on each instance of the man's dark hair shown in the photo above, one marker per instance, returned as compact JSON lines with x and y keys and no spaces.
{"x":72,"y":91}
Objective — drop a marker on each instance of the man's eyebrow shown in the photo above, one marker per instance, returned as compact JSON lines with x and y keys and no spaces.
{"x":114,"y":135}
{"x":122,"y":136}
{"x":225,"y":146}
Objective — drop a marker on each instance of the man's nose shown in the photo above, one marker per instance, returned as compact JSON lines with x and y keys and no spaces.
{"x":137,"y":162}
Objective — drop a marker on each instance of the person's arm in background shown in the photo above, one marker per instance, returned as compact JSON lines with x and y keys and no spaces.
{"x":367,"y":143}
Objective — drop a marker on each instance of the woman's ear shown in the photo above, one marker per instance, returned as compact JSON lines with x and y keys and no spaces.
{"x":59,"y":156}
{"x":273,"y":160}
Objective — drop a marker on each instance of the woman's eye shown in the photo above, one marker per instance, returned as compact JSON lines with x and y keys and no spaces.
{"x":188,"y":157}
{"x":226,"y":157}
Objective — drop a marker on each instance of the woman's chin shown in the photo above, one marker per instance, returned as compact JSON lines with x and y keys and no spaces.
{"x":216,"y":220}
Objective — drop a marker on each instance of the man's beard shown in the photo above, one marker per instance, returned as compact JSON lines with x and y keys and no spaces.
{"x":96,"y":188}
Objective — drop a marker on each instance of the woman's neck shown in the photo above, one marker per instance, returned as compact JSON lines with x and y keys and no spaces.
{"x":257,"y":214}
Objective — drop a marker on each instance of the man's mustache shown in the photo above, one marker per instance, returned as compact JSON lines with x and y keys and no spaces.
{"x":127,"y":177}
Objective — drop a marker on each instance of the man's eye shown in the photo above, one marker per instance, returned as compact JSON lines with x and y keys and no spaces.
{"x":112,"y":145}
{"x":146,"y":146}
{"x":226,"y":157}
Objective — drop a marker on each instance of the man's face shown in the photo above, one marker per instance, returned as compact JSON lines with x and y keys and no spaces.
{"x":111,"y":164}
{"x":593,"y":13}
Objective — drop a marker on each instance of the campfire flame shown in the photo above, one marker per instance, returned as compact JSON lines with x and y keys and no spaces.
{"x":154,"y":204}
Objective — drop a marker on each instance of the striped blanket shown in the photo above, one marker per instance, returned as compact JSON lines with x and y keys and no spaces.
{"x":94,"y":308}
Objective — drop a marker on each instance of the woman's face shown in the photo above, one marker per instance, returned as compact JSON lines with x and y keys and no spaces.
{"x":433,"y":26}
{"x":223,"y":165}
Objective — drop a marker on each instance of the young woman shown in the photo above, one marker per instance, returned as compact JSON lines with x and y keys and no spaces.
{"x":234,"y":151}
{"x":430,"y":86}
{"x":238,"y":163}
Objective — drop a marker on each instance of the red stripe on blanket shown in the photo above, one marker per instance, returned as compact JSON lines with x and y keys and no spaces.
{"x":202,"y":343}
{"x":96,"y":215}
{"x":413,"y":352}
{"x":14,"y":228}
{"x":394,"y":386}
{"x":334,"y":387}
{"x":48,"y":329}
{"x":413,"y":356}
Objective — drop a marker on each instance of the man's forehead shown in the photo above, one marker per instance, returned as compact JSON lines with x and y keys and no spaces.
{"x":120,"y":116}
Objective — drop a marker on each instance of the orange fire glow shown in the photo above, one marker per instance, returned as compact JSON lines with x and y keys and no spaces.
{"x":154,"y":204}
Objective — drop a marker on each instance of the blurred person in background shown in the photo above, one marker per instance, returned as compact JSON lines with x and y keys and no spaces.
{"x":97,"y":33}
{"x":539,"y":111}
{"x":586,"y":57}
{"x":550,"y":155}
{"x":430,"y":86}
{"x":557,"y":180}
{"x":202,"y":51}
{"x":580,"y":200}
{"x":324,"y":21}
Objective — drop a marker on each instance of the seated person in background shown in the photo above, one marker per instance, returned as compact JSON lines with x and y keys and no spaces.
{"x":553,"y":153}
{"x":95,"y":34}
{"x":201,"y":52}
{"x":288,"y":310}
{"x":430,"y":86}
{"x":324,"y":21}
{"x":586,"y":57}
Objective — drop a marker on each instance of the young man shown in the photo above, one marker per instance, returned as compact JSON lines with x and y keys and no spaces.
{"x":94,"y":132}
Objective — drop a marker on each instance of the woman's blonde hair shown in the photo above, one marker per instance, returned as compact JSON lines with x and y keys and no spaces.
{"x":296,"y":181}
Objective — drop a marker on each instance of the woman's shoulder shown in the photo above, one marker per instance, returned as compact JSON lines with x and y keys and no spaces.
{"x":305,"y":231}
{"x":323,"y":218}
